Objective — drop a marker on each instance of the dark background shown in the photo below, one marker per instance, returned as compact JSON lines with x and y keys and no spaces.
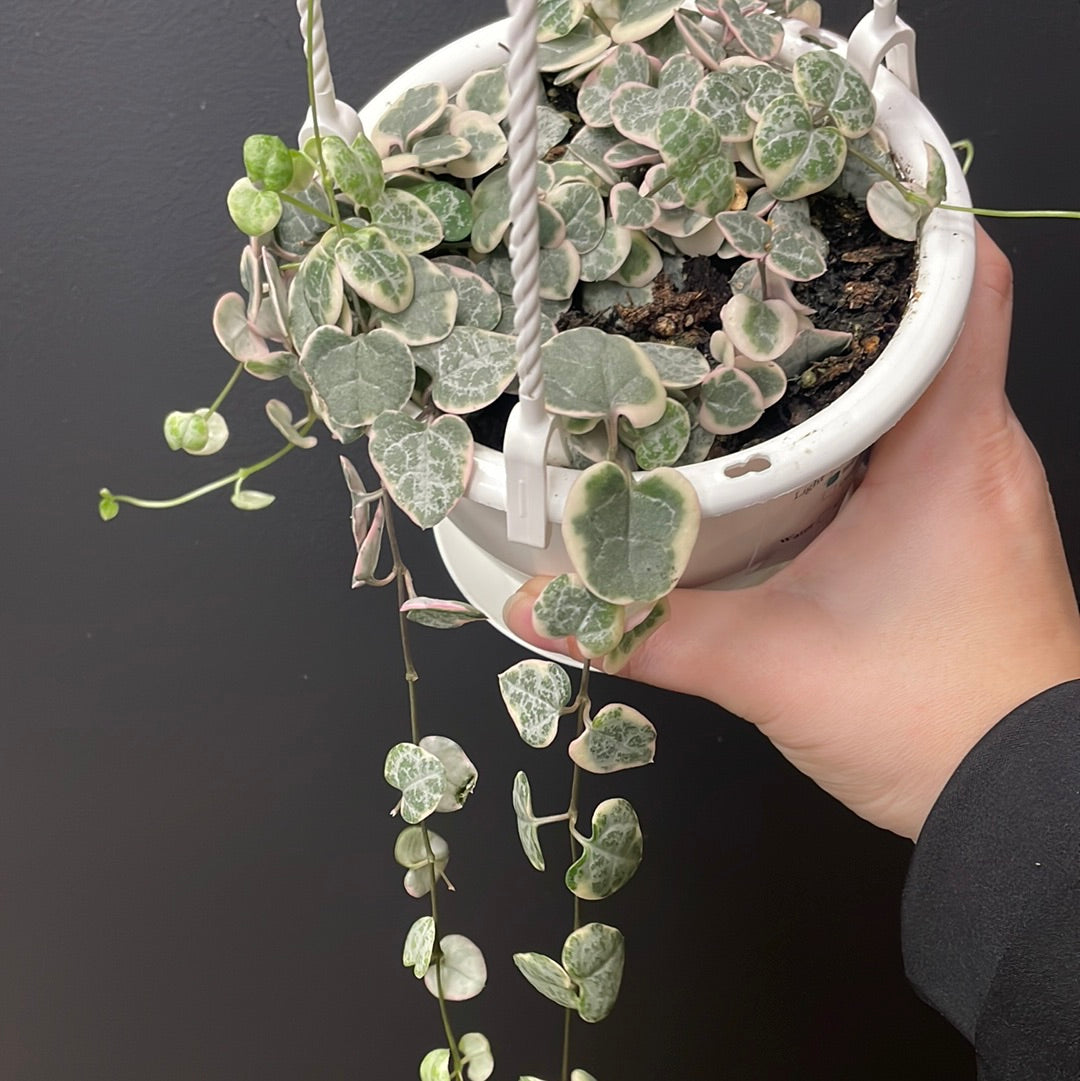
{"x":195,"y":857}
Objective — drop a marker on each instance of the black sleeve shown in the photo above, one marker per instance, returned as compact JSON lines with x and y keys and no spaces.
{"x":991,"y":909}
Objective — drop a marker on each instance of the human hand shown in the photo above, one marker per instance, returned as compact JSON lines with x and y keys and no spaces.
{"x":936,"y":602}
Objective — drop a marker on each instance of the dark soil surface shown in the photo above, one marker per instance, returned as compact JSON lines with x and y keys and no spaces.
{"x":863,"y":292}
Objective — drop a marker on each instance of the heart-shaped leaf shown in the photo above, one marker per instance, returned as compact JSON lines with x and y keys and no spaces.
{"x":796,"y":159}
{"x":770,"y":377}
{"x":828,"y":83}
{"x":565,"y":608}
{"x":699,"y":41}
{"x":420,"y":778}
{"x":419,"y":943}
{"x":280,"y":416}
{"x":376,"y":268}
{"x":460,"y":972}
{"x":408,"y":221}
{"x":656,"y":618}
{"x":765,"y":84}
{"x":641,"y":265}
{"x":486,"y":139}
{"x":760,"y":330}
{"x":892,"y":213}
{"x":678,"y":366}
{"x":249,"y":499}
{"x":797,"y":255}
{"x":632,"y":210}
{"x":252,"y":210}
{"x":268,"y":162}
{"x":432,"y":310}
{"x":478,"y":303}
{"x":746,"y":233}
{"x":721,"y":96}
{"x":460,"y":772}
{"x":612,"y":853}
{"x":661,"y":443}
{"x":320,"y":281}
{"x":355,"y":379}
{"x":593,"y":957}
{"x":630,"y":540}
{"x":411,"y":852}
{"x":435,"y":1065}
{"x":528,"y":833}
{"x":760,"y":35}
{"x":476,"y":1052}
{"x":584,"y":43}
{"x":626,"y":64}
{"x":535,"y":693}
{"x":469,"y":368}
{"x":487,"y":92}
{"x":581,"y":208}
{"x":409,"y":116}
{"x":424,"y":467}
{"x":442,"y":615}
{"x":618,"y":737}
{"x":640,"y":18}
{"x":692,"y":148}
{"x":450,"y":205}
{"x":200,"y":433}
{"x":556,"y":18}
{"x":355,"y":168}
{"x":588,"y":373}
{"x":549,"y":978}
{"x":730,"y":402}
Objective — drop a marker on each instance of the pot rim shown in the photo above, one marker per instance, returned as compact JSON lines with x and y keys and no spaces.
{"x":932,"y":321}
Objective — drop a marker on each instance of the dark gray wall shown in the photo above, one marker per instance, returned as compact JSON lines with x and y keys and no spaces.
{"x":195,"y":870}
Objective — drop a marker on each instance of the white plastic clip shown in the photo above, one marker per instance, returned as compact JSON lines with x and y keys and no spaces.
{"x":882,"y":35}
{"x":335,"y":117}
{"x":524,"y":450}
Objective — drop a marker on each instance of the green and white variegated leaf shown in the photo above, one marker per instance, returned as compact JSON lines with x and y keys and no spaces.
{"x":936,"y":177}
{"x":440,"y":614}
{"x":355,"y":379}
{"x":476,"y":1051}
{"x":450,"y":205}
{"x":631,"y":209}
{"x":642,"y":264}
{"x":828,"y":83}
{"x":461,"y":971}
{"x":478,"y":302}
{"x":581,"y":208}
{"x":254,"y":211}
{"x":424,"y":468}
{"x":551,"y":226}
{"x":559,"y":271}
{"x":199,"y":433}
{"x":608,"y":255}
{"x":618,"y":737}
{"x":626,"y":64}
{"x":598,"y":297}
{"x":460,"y":772}
{"x":486,"y":138}
{"x":280,"y":416}
{"x":760,"y":330}
{"x":640,"y":18}
{"x":656,"y":618}
{"x":746,"y":233}
{"x":297,"y":229}
{"x":549,"y":978}
{"x":796,"y":255}
{"x":407,"y":220}
{"x":698,"y":447}
{"x":722,"y":98}
{"x":429,"y":151}
{"x":678,"y":366}
{"x":411,"y":115}
{"x":470,"y":368}
{"x":699,"y":41}
{"x":730,"y":402}
{"x":661,"y":443}
{"x":630,"y":540}
{"x":435,"y":1065}
{"x":322,"y":285}
{"x":420,"y":778}
{"x":356,"y":169}
{"x":584,"y":43}
{"x":588,"y":373}
{"x":556,"y":18}
{"x":486,"y":92}
{"x":766,"y":83}
{"x":760,"y":35}
{"x":810,"y":346}
{"x":551,"y":128}
{"x":528,"y":832}
{"x":593,"y":957}
{"x":491,"y":211}
{"x":892,"y":213}
{"x":267,"y":162}
{"x":411,"y":852}
{"x":681,"y":222}
{"x":376,"y":268}
{"x":589,"y":145}
{"x":535,"y":693}
{"x":635,"y":111}
{"x":629,"y":155}
{"x":419,"y":943}
{"x":796,"y":159}
{"x":565,"y":608}
{"x":237,"y":336}
{"x":431,"y":313}
{"x":770,"y":377}
{"x":692,"y":147}
{"x":612,"y":853}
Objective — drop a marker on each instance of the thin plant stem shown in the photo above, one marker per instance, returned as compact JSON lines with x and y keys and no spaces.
{"x":307,"y":208}
{"x":236,"y":477}
{"x":400,"y":572}
{"x":225,"y":391}
{"x":583,"y":707}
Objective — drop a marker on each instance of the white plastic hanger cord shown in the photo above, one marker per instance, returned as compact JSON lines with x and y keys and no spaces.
{"x":524,"y":217}
{"x":320,"y":57}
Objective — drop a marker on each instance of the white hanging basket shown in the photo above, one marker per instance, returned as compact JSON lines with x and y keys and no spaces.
{"x":761,"y":506}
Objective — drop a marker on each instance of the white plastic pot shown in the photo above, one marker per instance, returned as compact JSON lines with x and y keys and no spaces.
{"x":762,"y":506}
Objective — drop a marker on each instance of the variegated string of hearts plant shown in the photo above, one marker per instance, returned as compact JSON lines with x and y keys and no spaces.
{"x":378,"y":290}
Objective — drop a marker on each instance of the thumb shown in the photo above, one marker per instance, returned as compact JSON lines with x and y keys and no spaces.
{"x":686,"y":653}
